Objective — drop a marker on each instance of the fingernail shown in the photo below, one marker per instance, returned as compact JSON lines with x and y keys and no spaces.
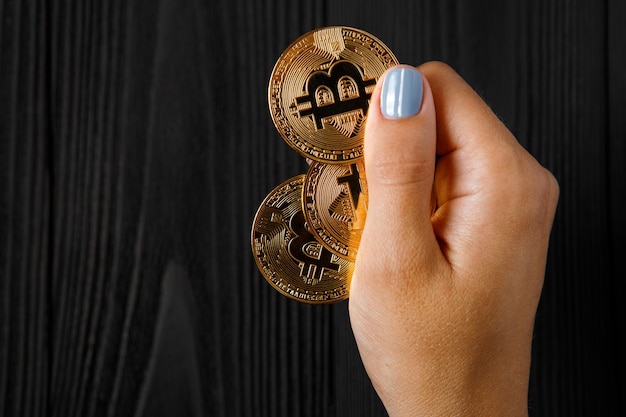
{"x":401,"y":95}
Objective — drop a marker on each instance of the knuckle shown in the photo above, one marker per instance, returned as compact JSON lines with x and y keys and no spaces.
{"x":539,"y":194}
{"x":549,"y":191}
{"x":436,"y":67}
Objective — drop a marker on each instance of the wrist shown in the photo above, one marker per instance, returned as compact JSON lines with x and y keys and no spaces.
{"x":460,"y":384}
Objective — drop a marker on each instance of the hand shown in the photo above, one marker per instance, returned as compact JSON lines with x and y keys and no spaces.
{"x":442,"y":303}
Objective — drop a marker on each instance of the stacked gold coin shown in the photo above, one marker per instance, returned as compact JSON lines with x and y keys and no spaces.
{"x":306,"y":232}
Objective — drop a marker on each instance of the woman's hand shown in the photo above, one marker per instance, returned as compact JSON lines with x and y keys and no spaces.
{"x":442,"y":303}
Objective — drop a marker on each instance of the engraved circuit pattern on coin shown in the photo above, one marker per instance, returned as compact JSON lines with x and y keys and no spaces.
{"x":288,"y":255}
{"x":335,"y":205}
{"x":320,"y":89}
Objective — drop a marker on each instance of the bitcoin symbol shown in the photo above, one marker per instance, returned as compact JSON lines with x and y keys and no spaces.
{"x":341,"y":90}
{"x":345,"y":205}
{"x":354,"y":184}
{"x":314,"y":267}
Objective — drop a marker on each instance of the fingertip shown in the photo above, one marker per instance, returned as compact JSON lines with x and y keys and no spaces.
{"x":401,"y":93}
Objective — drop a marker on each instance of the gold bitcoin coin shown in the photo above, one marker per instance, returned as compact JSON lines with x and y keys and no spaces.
{"x":320,"y":89}
{"x":288,"y":255}
{"x":335,"y":205}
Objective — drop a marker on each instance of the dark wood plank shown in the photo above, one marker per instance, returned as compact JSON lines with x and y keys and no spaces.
{"x":25,"y":210}
{"x":616,"y":178}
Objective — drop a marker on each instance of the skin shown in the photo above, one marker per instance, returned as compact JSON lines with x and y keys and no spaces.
{"x":442,"y":303}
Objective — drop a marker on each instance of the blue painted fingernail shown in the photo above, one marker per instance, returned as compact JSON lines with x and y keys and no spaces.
{"x":402,"y":92}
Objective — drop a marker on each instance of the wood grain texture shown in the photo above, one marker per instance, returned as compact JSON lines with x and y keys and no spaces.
{"x":136,"y":145}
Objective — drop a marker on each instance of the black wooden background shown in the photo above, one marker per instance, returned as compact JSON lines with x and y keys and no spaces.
{"x":136,"y":145}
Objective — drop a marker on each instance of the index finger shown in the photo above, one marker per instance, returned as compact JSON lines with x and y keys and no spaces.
{"x":463,"y":118}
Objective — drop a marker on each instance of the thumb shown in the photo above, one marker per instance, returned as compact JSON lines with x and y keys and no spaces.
{"x":399,"y":153}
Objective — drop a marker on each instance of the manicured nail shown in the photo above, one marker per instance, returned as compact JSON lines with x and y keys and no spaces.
{"x":402,"y":91}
